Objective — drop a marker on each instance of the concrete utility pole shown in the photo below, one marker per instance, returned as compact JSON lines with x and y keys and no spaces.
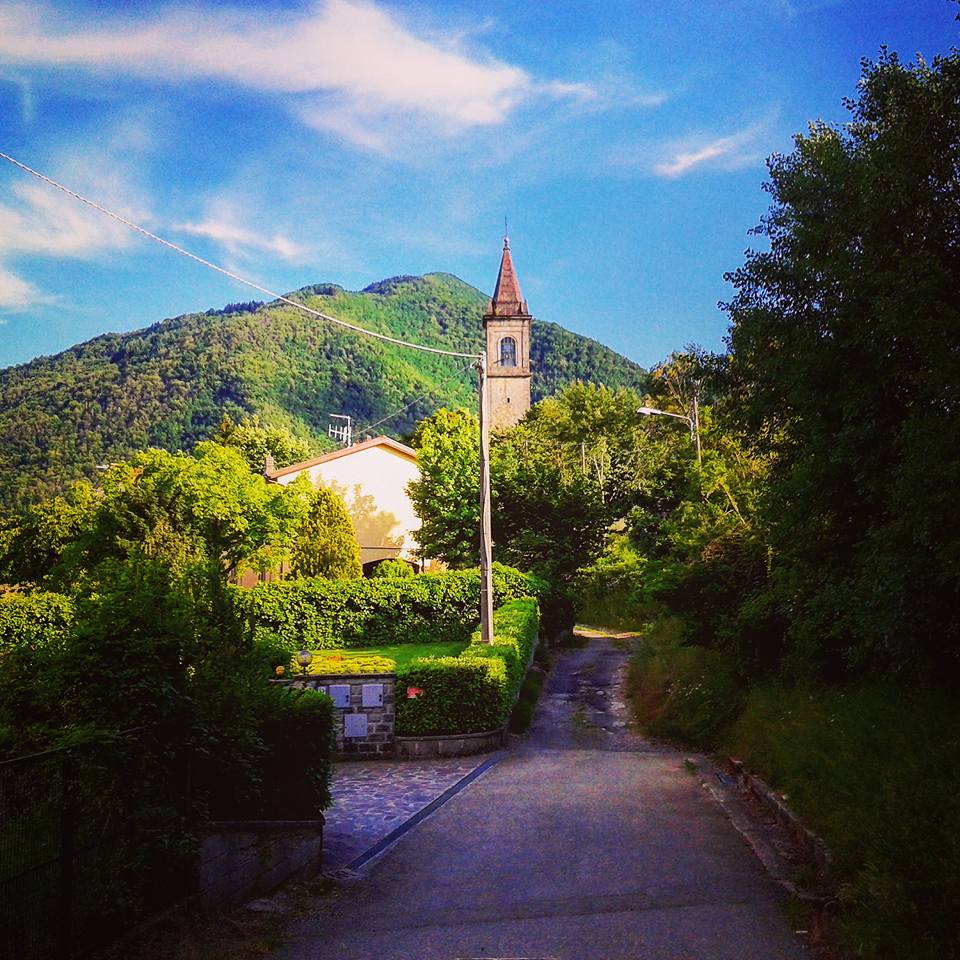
{"x":486,"y":543}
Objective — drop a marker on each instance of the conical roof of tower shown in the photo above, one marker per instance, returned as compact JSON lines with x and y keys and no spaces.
{"x":507,"y":300}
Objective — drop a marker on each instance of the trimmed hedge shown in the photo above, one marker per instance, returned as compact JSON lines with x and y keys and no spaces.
{"x":474,"y":692}
{"x":318,"y":614}
{"x":338,"y":663}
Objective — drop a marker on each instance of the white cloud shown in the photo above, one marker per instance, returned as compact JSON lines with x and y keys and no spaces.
{"x":16,"y":293}
{"x":727,"y":153}
{"x":358,"y":58}
{"x":37,"y":220}
{"x":241,"y":241}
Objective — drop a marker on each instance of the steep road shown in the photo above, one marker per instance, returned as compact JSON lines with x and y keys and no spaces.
{"x":584,"y":841}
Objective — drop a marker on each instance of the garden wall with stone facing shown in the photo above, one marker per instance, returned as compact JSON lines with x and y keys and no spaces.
{"x":239,"y":860}
{"x":364,"y":711}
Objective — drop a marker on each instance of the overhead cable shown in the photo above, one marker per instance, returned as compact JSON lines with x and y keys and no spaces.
{"x":234,"y":276}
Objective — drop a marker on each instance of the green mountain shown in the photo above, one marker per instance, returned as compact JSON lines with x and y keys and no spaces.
{"x":170,"y":384}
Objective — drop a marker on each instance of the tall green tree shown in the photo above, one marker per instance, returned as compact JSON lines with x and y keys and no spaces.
{"x":326,"y":542}
{"x":846,"y":361}
{"x":257,"y":441}
{"x":446,"y":497}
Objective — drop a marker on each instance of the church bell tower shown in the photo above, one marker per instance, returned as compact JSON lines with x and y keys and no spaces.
{"x":507,"y":326}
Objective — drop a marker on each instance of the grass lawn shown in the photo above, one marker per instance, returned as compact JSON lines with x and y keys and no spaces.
{"x":403,"y":653}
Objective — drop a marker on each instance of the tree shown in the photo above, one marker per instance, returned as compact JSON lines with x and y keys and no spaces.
{"x":326,"y":542}
{"x":846,"y":362}
{"x":257,"y":441}
{"x":446,"y":497}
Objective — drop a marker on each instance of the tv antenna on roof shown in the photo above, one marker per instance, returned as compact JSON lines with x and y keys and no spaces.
{"x":343,"y":434}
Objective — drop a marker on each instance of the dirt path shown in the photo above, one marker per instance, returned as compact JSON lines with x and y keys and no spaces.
{"x":584,"y":841}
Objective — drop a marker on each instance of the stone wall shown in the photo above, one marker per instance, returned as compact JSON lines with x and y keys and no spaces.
{"x":242,"y":860}
{"x":365,"y":711}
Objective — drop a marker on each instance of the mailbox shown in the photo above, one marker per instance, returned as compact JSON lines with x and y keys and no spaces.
{"x":372,"y":695}
{"x":340,"y":694}
{"x":355,"y":725}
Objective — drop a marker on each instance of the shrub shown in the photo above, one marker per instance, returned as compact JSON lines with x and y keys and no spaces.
{"x":392,"y":568}
{"x":338,"y":663}
{"x":296,"y":728}
{"x":476,"y":691}
{"x":686,"y":692}
{"x":325,"y":614}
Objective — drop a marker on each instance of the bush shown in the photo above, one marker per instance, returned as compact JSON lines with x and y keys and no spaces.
{"x":392,"y":568}
{"x":326,"y":614}
{"x":296,"y":729}
{"x":338,"y":663}
{"x":474,"y":692}
{"x":688,"y":693}
{"x":874,"y":770}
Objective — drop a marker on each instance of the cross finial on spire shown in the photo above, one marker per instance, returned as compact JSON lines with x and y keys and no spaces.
{"x":506,"y":235}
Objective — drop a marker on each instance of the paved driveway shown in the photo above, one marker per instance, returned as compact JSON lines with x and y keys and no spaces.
{"x":584,"y":841}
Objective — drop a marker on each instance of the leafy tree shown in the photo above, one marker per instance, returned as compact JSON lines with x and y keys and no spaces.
{"x":446,"y":497}
{"x":326,"y":542}
{"x":206,"y":516}
{"x":257,"y":441}
{"x":846,"y":361}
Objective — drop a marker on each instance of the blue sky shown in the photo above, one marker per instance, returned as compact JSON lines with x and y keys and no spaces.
{"x":348,"y":141}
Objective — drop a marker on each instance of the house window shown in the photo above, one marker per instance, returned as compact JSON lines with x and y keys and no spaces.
{"x":508,"y":352}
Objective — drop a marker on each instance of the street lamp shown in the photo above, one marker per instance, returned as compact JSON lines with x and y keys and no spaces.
{"x":690,"y":422}
{"x":304,"y":658}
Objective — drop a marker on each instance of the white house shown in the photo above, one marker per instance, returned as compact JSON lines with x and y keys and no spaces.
{"x":372,"y":478}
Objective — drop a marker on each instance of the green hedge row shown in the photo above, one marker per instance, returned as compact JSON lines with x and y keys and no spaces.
{"x":320,"y":614}
{"x":475,"y":691}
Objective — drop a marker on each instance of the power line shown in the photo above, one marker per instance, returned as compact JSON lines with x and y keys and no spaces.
{"x":234,"y":276}
{"x":413,"y":402}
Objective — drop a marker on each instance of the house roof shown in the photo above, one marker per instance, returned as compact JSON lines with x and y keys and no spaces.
{"x":507,"y":300}
{"x":382,"y":441}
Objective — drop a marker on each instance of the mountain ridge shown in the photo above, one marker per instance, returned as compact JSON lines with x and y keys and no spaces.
{"x":170,"y":383}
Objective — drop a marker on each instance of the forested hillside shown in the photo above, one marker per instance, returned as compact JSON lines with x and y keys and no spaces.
{"x":169,"y":385}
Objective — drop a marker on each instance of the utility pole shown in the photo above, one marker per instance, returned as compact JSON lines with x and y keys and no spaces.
{"x":486,"y":550}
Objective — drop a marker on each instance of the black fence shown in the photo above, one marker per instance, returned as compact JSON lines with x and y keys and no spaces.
{"x":85,"y":849}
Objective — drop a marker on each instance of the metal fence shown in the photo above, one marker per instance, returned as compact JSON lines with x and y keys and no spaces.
{"x":75,"y":870}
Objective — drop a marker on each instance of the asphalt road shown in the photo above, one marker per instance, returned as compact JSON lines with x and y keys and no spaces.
{"x":584,"y":841}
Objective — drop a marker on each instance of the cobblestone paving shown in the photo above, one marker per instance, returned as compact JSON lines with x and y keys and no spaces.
{"x":373,"y":798}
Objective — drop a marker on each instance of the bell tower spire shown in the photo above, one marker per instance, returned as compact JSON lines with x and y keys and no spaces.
{"x":507,"y":326}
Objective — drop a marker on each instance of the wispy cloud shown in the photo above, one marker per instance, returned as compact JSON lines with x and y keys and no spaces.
{"x":731,"y":152}
{"x":16,"y":293}
{"x":39,"y":221}
{"x":242,"y":241}
{"x":346,"y":64}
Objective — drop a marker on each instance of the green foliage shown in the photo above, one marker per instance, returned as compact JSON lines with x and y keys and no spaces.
{"x":392,"y":568}
{"x":326,"y":614}
{"x":845,"y":354}
{"x":445,"y":497}
{"x":326,"y":542}
{"x":685,"y":692}
{"x":327,"y":662}
{"x":372,"y":659}
{"x":257,"y":441}
{"x":295,"y":730}
{"x":170,"y":385}
{"x":34,"y":621}
{"x":474,"y":692}
{"x":874,"y":770}
{"x":608,"y":591}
